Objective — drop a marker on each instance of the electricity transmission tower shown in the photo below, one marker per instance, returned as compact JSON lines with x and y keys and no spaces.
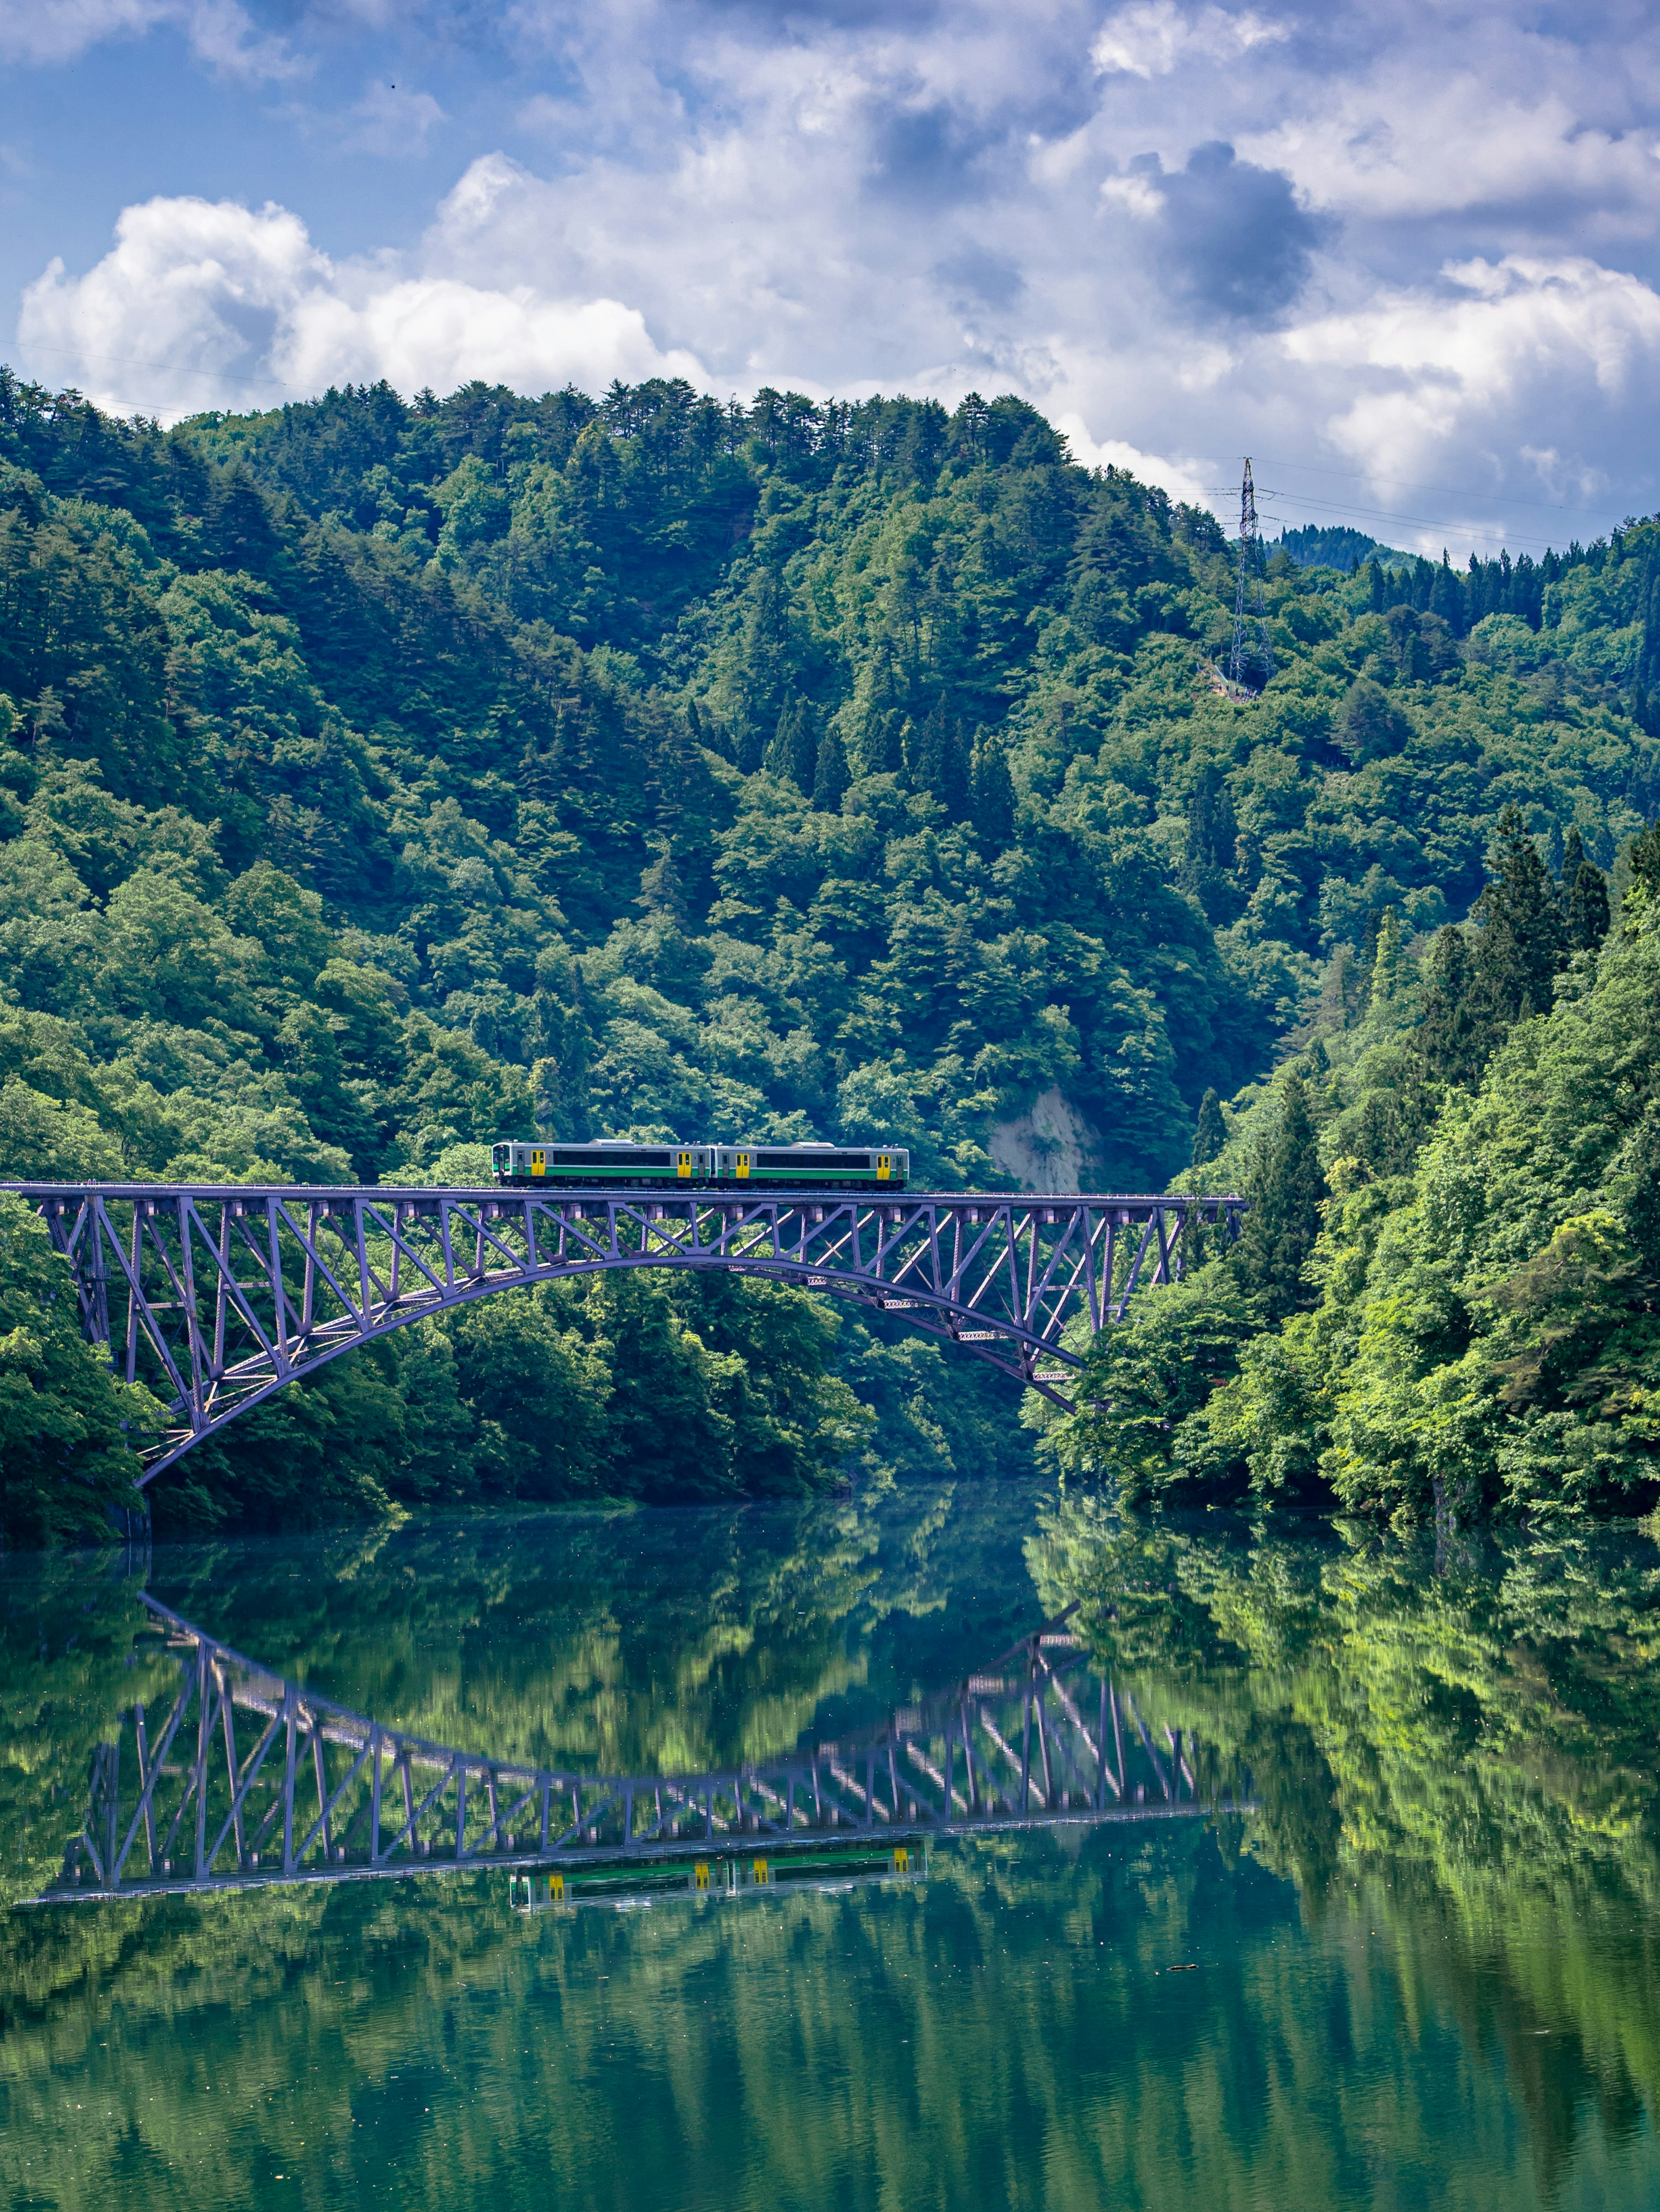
{"x":1252,"y":660}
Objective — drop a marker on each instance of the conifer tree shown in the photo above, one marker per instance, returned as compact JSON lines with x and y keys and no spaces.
{"x":1523,"y":943}
{"x":1450,"y":1036}
{"x":954,"y":787}
{"x":1646,"y":683}
{"x":994,"y":794}
{"x":928,"y":752}
{"x":1588,"y":908}
{"x":1573,"y":853}
{"x":1643,"y":852}
{"x":830,"y":777}
{"x":1213,"y":834}
{"x":1387,"y":962}
{"x":1287,"y":1188}
{"x":794,"y":751}
{"x":1212,"y":1133}
{"x":661,"y":892}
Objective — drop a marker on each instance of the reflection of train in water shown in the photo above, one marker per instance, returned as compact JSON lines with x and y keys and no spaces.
{"x":624,"y":1888}
{"x":615,"y":1160}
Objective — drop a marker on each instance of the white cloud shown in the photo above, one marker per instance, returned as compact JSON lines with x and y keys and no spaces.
{"x":1182,"y":480}
{"x":391,"y":119}
{"x":939,"y":198}
{"x":1153,"y":36}
{"x":1137,"y":194}
{"x":198,"y":302}
{"x":1454,"y":377}
{"x":1400,"y":146}
{"x":220,"y":32}
{"x":57,"y":30}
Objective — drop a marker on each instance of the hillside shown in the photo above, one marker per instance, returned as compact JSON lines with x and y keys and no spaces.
{"x":380,"y":778}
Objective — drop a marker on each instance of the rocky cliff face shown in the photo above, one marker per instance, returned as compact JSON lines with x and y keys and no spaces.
{"x":1051,"y":1146}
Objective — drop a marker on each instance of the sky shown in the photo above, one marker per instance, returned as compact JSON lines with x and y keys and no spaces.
{"x":1407,"y":256}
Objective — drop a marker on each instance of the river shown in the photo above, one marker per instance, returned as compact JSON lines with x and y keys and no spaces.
{"x":1406,"y":1958}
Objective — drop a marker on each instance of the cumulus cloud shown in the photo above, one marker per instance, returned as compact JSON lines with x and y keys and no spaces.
{"x":1182,"y":480}
{"x":199,"y":299}
{"x":1155,"y":37}
{"x":1454,"y":370}
{"x":1229,"y":237}
{"x":220,"y":32}
{"x":1377,"y":239}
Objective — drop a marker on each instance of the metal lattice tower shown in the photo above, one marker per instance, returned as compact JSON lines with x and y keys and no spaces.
{"x":1251,"y":662}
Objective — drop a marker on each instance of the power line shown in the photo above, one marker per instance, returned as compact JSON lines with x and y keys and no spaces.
{"x":1446,"y":491}
{"x":1463,"y":528}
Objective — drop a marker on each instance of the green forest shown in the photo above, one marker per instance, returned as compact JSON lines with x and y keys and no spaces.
{"x":378,"y":779}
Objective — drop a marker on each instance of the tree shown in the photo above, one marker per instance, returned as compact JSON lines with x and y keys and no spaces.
{"x":1207,"y":862}
{"x":1451,"y":1041}
{"x":1212,"y":1133}
{"x":1523,"y":944}
{"x":1588,"y":908}
{"x":1369,"y":727}
{"x":67,"y":1425}
{"x":794,"y":750}
{"x":993,"y":793}
{"x":1286,"y":1188}
{"x":830,"y":778}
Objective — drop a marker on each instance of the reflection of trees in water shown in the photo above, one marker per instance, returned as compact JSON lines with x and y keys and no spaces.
{"x":67,"y":1668}
{"x":660,"y":1641}
{"x":1456,"y":1772}
{"x":1471,"y":1739}
{"x":997,"y":2036}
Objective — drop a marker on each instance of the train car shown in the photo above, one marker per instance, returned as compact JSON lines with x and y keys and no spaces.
{"x":616,"y":1161}
{"x":807,"y":1167}
{"x":610,"y":1160}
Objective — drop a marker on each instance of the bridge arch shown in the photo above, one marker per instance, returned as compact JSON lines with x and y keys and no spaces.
{"x":218,"y":1296}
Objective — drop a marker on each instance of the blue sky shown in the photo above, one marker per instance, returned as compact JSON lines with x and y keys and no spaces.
{"x":1404,"y":254}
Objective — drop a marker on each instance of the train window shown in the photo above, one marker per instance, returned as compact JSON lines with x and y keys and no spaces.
{"x":818,"y":1162}
{"x":593,"y":1156}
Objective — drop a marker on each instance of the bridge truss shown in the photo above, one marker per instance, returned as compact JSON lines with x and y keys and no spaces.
{"x":245,"y":1778}
{"x":215,"y":1296}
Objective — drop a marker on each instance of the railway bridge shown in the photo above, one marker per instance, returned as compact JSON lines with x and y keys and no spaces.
{"x":217,"y":1295}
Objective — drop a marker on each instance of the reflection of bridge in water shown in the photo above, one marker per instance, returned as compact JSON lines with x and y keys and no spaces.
{"x":216,"y":1297}
{"x":246,"y":1778}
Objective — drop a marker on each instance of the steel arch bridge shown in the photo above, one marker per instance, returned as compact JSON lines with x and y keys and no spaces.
{"x":217,"y":1295}
{"x":240,"y":1777}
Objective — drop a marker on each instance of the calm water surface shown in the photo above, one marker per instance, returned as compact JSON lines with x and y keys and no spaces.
{"x":1420,"y":1972}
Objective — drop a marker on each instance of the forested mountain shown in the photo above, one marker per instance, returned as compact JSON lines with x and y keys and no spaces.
{"x":383,"y":778}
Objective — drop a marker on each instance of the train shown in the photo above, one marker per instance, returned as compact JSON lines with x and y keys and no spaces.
{"x":616,"y":1161}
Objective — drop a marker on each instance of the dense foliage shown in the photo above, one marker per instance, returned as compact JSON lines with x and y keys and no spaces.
{"x":1456,"y":1241}
{"x":382,"y":778}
